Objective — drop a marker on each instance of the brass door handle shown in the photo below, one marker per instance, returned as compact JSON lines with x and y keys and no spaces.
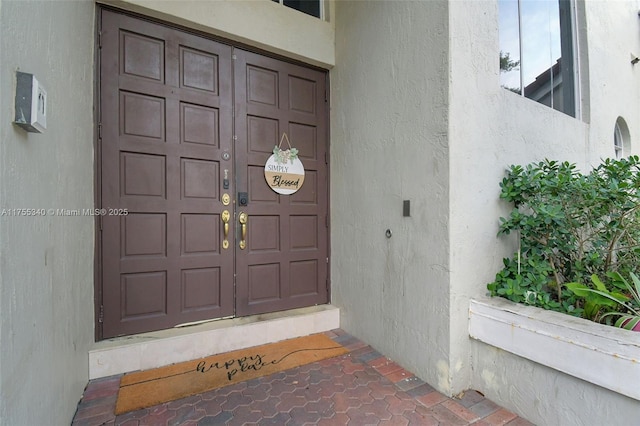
{"x":226,"y":216}
{"x":243,"y":218}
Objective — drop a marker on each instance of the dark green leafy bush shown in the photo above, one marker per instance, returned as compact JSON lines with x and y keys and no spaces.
{"x":570,"y":226}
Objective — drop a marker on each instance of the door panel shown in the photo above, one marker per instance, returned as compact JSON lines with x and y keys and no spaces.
{"x":166,"y":119}
{"x":284,"y":265}
{"x":172,"y":104}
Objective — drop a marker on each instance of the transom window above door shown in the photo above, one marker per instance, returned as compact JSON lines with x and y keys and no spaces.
{"x":536,"y":51}
{"x":310,"y":7}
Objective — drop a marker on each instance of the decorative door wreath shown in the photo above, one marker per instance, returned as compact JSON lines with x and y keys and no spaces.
{"x":283,"y":170}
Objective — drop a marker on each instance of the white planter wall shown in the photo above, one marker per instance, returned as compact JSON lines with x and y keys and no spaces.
{"x":553,"y":368}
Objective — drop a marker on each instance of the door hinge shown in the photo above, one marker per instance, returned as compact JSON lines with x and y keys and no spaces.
{"x":235,"y":138}
{"x":328,"y":276}
{"x":99,"y":39}
{"x":326,"y":223}
{"x":99,"y":130}
{"x":326,"y":157}
{"x":101,"y":314}
{"x":100,"y":222}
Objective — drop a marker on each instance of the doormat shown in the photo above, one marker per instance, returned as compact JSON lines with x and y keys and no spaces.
{"x":152,"y":387}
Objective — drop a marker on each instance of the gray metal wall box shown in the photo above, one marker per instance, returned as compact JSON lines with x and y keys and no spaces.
{"x":31,"y":103}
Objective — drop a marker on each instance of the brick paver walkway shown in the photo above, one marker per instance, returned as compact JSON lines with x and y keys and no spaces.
{"x":359,"y":388}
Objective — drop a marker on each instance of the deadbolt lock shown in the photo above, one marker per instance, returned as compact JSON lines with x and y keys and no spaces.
{"x":226,"y":199}
{"x":243,"y":198}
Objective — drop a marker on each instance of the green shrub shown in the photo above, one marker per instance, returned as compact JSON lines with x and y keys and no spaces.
{"x":570,"y":226}
{"x":623,"y":303}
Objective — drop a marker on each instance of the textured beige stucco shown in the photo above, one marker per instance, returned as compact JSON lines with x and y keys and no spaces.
{"x":389,"y":144}
{"x":260,"y":23}
{"x":492,"y":128}
{"x":46,"y":262}
{"x":394,"y":139}
{"x":568,"y":356}
{"x":416,"y":114}
{"x":614,"y":83}
{"x":545,"y":396}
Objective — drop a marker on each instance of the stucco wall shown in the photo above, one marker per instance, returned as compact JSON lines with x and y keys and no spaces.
{"x":46,"y":262}
{"x":393,"y":138}
{"x":492,"y":128}
{"x":260,"y":23}
{"x":389,"y":144}
{"x":553,"y":368}
{"x":546,"y":396}
{"x":614,"y":83}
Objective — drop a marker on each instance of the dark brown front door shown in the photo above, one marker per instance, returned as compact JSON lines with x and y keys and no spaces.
{"x":185,"y":123}
{"x":285,"y":262}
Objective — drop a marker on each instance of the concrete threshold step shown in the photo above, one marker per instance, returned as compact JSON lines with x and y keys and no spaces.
{"x":165,"y":347}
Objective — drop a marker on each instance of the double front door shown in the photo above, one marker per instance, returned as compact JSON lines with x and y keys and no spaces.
{"x":191,"y":230}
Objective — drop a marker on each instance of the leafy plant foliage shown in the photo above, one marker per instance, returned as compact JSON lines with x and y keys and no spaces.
{"x":596,"y":299}
{"x":571,"y":227}
{"x":506,"y":63}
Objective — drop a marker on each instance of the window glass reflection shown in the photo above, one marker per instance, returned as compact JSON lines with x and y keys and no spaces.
{"x":536,"y":51}
{"x":541,"y":47}
{"x":310,"y":7}
{"x":509,"y":45}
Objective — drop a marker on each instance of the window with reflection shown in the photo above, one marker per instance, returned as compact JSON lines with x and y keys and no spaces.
{"x":621,"y":138}
{"x":310,"y":7}
{"x":536,"y":51}
{"x":618,"y":146}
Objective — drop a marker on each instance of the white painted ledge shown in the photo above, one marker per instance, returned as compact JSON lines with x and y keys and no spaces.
{"x":165,"y":347}
{"x":599,"y":354}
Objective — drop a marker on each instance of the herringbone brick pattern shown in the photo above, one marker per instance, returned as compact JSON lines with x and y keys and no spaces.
{"x":360,"y":388}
